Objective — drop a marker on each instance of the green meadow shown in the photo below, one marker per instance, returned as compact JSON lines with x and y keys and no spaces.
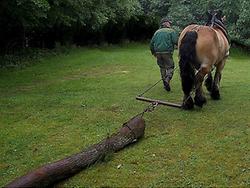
{"x":62,"y":104}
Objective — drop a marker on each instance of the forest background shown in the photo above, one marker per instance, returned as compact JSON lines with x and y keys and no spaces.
{"x":53,"y":23}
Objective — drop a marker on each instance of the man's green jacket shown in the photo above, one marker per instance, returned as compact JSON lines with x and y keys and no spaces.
{"x":163,"y":41}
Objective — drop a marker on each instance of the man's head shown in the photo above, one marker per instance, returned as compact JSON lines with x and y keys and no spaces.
{"x":165,"y":22}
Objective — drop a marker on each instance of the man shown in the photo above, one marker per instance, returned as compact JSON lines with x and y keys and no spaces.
{"x":162,"y":47}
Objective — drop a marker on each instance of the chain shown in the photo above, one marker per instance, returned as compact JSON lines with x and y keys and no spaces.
{"x":190,"y":95}
{"x":140,"y":95}
{"x":149,"y":88}
{"x":150,"y":108}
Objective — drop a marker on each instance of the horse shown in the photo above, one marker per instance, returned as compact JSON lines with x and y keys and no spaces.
{"x":201,"y":49}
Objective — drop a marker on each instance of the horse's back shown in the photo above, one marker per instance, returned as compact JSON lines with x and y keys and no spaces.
{"x":207,"y":45}
{"x":185,"y":30}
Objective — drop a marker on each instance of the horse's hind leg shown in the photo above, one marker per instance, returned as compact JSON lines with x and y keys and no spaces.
{"x":199,"y":98}
{"x":188,"y":102}
{"x":209,"y":81}
{"x":187,"y":81}
{"x":215,"y":93}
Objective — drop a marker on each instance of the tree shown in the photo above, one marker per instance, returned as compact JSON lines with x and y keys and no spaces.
{"x":18,"y":17}
{"x":243,"y":23}
{"x":43,"y":22}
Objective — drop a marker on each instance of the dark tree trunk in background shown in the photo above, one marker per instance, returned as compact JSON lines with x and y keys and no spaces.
{"x":52,"y":173}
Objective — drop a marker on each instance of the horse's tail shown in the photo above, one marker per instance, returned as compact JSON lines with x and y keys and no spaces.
{"x":187,"y":55}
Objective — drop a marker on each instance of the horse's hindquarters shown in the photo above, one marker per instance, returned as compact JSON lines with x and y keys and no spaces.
{"x":201,"y":47}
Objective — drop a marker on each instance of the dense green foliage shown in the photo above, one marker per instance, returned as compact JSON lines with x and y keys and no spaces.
{"x":45,"y":23}
{"x":66,"y":103}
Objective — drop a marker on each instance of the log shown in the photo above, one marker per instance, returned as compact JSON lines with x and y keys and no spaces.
{"x":50,"y":174}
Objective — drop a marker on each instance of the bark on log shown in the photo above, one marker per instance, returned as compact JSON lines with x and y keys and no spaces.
{"x":52,"y":173}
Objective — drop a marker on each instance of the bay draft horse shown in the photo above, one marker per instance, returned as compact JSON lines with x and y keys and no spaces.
{"x":201,"y":48}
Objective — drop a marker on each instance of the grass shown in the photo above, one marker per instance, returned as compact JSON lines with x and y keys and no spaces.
{"x":66,"y":103}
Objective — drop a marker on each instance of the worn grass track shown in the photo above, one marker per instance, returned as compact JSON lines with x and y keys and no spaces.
{"x":65,"y":103}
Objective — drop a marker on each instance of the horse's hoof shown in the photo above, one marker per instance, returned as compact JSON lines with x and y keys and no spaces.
{"x":188,"y":104}
{"x":215,"y":94}
{"x":199,"y":101}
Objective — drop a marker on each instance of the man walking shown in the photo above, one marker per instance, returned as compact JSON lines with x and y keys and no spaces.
{"x":162,"y":47}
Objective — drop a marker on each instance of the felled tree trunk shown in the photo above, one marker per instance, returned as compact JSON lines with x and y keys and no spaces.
{"x":53,"y":173}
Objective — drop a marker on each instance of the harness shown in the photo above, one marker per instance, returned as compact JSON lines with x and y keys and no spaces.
{"x":196,"y":28}
{"x":215,"y":22}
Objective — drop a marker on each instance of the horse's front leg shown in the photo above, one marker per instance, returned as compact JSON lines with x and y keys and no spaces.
{"x":199,"y":98}
{"x":215,"y":92}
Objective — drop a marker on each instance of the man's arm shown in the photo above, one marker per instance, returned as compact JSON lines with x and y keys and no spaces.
{"x":152,"y":45}
{"x":174,"y":37}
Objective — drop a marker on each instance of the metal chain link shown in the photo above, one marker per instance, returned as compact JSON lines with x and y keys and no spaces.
{"x":150,"y":108}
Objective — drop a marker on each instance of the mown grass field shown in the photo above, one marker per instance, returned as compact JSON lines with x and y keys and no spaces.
{"x":66,"y":103}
